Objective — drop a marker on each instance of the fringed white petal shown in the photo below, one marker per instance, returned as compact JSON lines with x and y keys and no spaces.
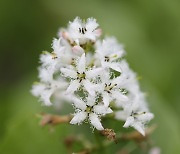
{"x":46,"y":75}
{"x":69,"y":73}
{"x":121,"y":115}
{"x":37,"y":89}
{"x":56,"y":45}
{"x":94,"y":119}
{"x":89,"y":87}
{"x":115,"y":66}
{"x":78,"y":103}
{"x":45,"y":97}
{"x":91,"y":24}
{"x":74,"y":85}
{"x":91,"y":100}
{"x":129,"y":122}
{"x":94,"y":73}
{"x":106,"y":99}
{"x":119,"y":96}
{"x":81,"y":65}
{"x":101,"y":109}
{"x":145,"y":117}
{"x":139,"y":127}
{"x":78,"y":118}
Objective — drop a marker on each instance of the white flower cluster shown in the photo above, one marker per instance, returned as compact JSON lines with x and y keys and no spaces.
{"x":93,"y":75}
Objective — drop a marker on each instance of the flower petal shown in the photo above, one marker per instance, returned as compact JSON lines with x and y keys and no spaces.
{"x":145,"y":117}
{"x":37,"y":89}
{"x":91,"y":24}
{"x":115,"y":66}
{"x":46,"y":74}
{"x":101,"y":109}
{"x":129,"y":122}
{"x":81,"y":64}
{"x":89,"y":87}
{"x":69,"y":73}
{"x":119,"y":96}
{"x":91,"y":100}
{"x":121,"y":115}
{"x":139,"y":127}
{"x":106,"y":99}
{"x":78,"y":103}
{"x":74,"y":85}
{"x":58,"y":46}
{"x":45,"y":97}
{"x":118,"y":80}
{"x":78,"y":118}
{"x":94,"y":72}
{"x":95,"y":121}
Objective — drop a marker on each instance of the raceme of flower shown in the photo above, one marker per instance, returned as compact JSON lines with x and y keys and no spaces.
{"x":93,"y":76}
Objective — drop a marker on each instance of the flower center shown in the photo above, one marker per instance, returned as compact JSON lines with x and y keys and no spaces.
{"x":54,"y":56}
{"x":109,"y":87}
{"x":81,"y":76}
{"x":88,"y":109}
{"x":135,"y":114}
{"x":82,"y":30}
{"x":106,"y":59}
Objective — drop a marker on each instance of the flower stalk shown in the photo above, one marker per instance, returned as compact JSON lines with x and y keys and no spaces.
{"x":49,"y":119}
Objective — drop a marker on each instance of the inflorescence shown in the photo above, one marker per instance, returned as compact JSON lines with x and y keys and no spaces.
{"x":93,"y":76}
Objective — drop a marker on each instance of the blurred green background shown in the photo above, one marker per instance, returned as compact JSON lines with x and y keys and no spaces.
{"x":150,"y":32}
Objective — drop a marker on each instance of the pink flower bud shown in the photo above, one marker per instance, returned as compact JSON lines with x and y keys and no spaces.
{"x":77,"y":50}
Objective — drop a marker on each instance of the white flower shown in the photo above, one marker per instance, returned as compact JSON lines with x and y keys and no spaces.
{"x":83,"y":66}
{"x":48,"y":60}
{"x":45,"y":90}
{"x":81,"y":76}
{"x":46,"y":74}
{"x":82,"y":32}
{"x":138,"y":120}
{"x":110,"y":90}
{"x":107,"y":52}
{"x":63,"y":51}
{"x":90,"y":110}
{"x":49,"y":66}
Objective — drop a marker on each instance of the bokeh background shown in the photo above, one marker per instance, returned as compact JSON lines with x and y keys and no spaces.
{"x":150,"y":32}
